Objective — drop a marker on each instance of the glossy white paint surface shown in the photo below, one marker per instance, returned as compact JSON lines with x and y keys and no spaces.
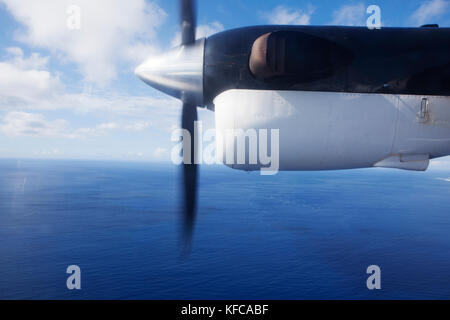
{"x":327,"y":131}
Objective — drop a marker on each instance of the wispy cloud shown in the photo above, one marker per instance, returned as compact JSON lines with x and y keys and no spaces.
{"x":285,"y":15}
{"x":25,"y":78}
{"x":27,"y":89}
{"x":111,"y":31}
{"x":441,"y":164}
{"x":104,"y":128}
{"x":160,"y":153}
{"x":31,"y":124}
{"x":350,"y":15}
{"x":17,"y":123}
{"x":429,"y":11}
{"x":26,"y":83}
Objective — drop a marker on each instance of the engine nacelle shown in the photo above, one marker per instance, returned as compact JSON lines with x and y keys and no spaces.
{"x":292,"y":130}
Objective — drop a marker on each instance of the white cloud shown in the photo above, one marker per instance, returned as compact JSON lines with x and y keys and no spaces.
{"x":139,"y":52}
{"x":350,"y":15}
{"x":30,"y":124}
{"x":202,"y":31}
{"x":25,"y":84}
{"x":34,"y":61}
{"x":440,"y":164}
{"x":138,"y":126}
{"x":430,"y":10}
{"x":160,"y":153}
{"x":110,"y":126}
{"x":25,"y":79}
{"x":17,"y":123}
{"x":284,"y":15}
{"x":126,"y":111}
{"x":49,"y":153}
{"x":111,"y":31}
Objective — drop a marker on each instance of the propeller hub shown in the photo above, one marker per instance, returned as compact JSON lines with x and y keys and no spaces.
{"x":178,"y":73}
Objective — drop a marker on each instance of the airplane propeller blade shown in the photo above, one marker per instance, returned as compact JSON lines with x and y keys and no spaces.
{"x":179,"y":73}
{"x":188,"y":21}
{"x":190,"y":174}
{"x":189,"y":116}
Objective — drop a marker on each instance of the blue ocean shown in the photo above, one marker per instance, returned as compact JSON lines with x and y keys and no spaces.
{"x":297,"y":235}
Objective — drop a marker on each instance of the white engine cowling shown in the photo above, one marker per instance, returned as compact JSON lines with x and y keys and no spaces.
{"x":328,"y":131}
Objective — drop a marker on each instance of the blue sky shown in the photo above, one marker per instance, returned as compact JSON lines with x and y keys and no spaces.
{"x":72,"y":93}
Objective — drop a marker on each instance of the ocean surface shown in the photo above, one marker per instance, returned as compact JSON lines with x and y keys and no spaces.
{"x":298,"y":235}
